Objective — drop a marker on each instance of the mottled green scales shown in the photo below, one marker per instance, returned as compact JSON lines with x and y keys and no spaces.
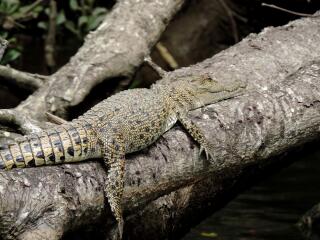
{"x":126,"y":122}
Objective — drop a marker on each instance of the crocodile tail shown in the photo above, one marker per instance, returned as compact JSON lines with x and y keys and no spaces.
{"x":64,"y":143}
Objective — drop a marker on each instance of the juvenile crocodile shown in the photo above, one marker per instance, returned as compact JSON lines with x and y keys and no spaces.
{"x":126,"y":122}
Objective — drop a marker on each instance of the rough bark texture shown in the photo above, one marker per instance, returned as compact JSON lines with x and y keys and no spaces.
{"x":167,"y":183}
{"x":21,"y":79}
{"x":115,"y":49}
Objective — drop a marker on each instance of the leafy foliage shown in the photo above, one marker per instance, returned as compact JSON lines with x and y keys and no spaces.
{"x":14,"y":52}
{"x":77,"y":17}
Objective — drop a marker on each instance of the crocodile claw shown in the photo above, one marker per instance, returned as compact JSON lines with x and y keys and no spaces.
{"x":207,"y":152}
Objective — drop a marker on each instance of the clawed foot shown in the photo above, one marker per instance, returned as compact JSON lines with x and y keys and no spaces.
{"x":208,"y":151}
{"x":120,"y":227}
{"x":115,"y":232}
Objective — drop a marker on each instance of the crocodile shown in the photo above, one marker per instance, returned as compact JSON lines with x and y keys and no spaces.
{"x":123,"y":123}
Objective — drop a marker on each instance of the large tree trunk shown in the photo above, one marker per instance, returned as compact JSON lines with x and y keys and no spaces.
{"x":167,"y":185}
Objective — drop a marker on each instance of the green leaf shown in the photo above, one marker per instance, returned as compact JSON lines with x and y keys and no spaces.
{"x":61,"y":18}
{"x":71,"y":27}
{"x":10,"y":55}
{"x":99,"y":11}
{"x":4,"y":34}
{"x":74,"y":5}
{"x":38,"y":9}
{"x":47,"y":11}
{"x":12,"y":7}
{"x":94,"y":22}
{"x":82,"y":20}
{"x":24,"y":9}
{"x":43,"y":25}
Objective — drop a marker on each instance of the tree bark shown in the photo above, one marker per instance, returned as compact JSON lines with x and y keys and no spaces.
{"x":115,"y":50}
{"x":167,"y":185}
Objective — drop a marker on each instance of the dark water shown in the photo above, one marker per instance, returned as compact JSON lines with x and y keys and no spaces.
{"x":270,"y":209}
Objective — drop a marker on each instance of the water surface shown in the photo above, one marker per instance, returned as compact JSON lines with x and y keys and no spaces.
{"x":270,"y":209}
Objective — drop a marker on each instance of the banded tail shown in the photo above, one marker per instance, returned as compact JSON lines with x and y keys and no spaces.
{"x":65,"y":143}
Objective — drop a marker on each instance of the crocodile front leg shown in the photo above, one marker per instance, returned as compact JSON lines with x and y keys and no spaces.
{"x":114,"y":159}
{"x":197,"y":135}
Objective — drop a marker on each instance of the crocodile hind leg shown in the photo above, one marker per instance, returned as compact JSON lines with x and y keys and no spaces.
{"x":114,"y":159}
{"x":197,"y":135}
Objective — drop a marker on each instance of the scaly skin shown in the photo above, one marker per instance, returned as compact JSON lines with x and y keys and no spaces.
{"x":126,"y":122}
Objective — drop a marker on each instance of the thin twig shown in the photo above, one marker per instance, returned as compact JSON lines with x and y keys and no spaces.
{"x":288,"y":11}
{"x":239,"y":17}
{"x":232,"y":21}
{"x":155,"y":67}
{"x":55,"y":119}
{"x":166,"y":55}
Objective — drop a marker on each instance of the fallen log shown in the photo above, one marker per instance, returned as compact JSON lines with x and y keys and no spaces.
{"x":167,"y":185}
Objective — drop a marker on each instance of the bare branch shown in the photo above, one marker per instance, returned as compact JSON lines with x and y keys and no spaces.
{"x":155,"y":67}
{"x":25,"y":80}
{"x":26,"y":124}
{"x":55,"y":119}
{"x":288,"y":11}
{"x":232,"y":20}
